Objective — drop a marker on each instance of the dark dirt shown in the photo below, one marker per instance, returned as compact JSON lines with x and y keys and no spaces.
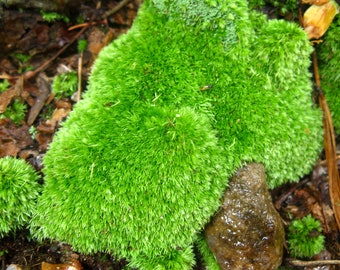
{"x":23,"y":31}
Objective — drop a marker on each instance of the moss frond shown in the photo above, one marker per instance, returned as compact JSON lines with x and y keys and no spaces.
{"x":19,"y":190}
{"x":64,"y":85}
{"x":207,"y":255}
{"x":15,"y":111}
{"x":175,"y":259}
{"x":305,"y":238}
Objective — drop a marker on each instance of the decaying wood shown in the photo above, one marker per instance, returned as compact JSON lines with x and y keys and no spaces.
{"x":314,"y":2}
{"x":314,"y":263}
{"x":318,"y":18}
{"x":44,"y":91}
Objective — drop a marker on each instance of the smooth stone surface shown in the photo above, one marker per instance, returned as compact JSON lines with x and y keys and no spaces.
{"x":247,"y":232}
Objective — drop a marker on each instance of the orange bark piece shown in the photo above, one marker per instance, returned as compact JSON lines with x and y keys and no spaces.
{"x":317,"y":19}
{"x":315,"y":2}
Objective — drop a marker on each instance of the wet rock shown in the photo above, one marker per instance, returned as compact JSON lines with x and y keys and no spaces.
{"x":247,"y":232}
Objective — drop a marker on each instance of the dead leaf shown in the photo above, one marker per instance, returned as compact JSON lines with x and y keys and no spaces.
{"x":317,"y":19}
{"x":7,"y":96}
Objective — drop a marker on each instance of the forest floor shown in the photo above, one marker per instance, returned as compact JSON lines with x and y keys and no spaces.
{"x":33,"y":51}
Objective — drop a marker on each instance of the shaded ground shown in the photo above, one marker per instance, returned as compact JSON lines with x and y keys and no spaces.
{"x":27,"y":43}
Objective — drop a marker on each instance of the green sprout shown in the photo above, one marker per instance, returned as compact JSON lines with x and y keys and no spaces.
{"x":33,"y":131}
{"x":4,"y":85}
{"x":53,"y":16}
{"x":23,"y":58}
{"x":174,"y":107}
{"x":64,"y":85}
{"x":82,"y":44}
{"x":19,"y":190}
{"x":304,"y":237}
{"x":16,"y":111}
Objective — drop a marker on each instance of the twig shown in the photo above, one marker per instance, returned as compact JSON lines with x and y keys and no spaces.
{"x":44,"y":91}
{"x":88,"y":24}
{"x":330,"y":146}
{"x":80,"y":68}
{"x":313,"y":263}
{"x":284,"y":196}
{"x":116,"y":8}
{"x":30,"y":74}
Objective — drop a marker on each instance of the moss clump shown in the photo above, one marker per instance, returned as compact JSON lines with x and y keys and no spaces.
{"x":172,"y":110}
{"x":16,"y":111}
{"x":19,"y":190}
{"x":329,"y":64}
{"x":64,"y":85}
{"x":305,"y":238}
{"x":4,"y":85}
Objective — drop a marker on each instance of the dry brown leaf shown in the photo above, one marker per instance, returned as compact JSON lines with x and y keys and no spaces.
{"x":7,"y":96}
{"x":317,"y":19}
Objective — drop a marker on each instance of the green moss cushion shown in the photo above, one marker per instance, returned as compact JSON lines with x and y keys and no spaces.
{"x":19,"y":190}
{"x":173,"y":108}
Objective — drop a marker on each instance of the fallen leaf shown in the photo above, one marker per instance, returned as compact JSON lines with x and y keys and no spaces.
{"x":317,"y":19}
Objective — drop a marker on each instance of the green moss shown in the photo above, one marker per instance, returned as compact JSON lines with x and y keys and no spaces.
{"x":53,"y":16}
{"x":329,"y":64}
{"x":82,"y":44}
{"x":4,"y":85}
{"x":304,"y":237}
{"x":64,"y":85}
{"x":207,"y":256}
{"x":172,"y":110}
{"x":19,"y":190}
{"x":15,"y":111}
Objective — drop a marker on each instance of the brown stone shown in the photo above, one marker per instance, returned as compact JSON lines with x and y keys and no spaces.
{"x":247,"y":232}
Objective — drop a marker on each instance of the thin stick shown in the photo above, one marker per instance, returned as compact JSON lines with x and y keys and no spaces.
{"x":330,"y":146}
{"x":80,"y":68}
{"x":314,"y":263}
{"x":30,"y":74}
{"x":115,"y":9}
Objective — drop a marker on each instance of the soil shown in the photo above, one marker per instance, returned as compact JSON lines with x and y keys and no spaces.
{"x":32,"y":52}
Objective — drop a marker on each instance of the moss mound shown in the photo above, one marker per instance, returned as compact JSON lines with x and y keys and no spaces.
{"x":173,"y":108}
{"x":19,"y":192}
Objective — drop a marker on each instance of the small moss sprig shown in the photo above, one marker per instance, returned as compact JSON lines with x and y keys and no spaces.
{"x":64,"y":85}
{"x":82,"y":44}
{"x":53,"y":16}
{"x":19,"y":190}
{"x":304,"y":237}
{"x":16,"y":112}
{"x":4,"y":85}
